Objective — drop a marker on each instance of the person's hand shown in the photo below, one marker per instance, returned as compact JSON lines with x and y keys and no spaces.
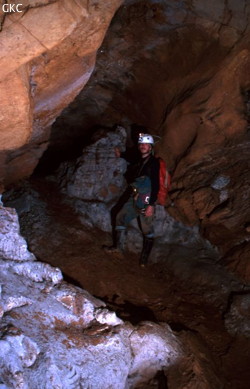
{"x":117,"y":152}
{"x":149,"y":210}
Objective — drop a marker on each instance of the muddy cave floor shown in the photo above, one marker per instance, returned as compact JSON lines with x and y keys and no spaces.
{"x":189,"y":299}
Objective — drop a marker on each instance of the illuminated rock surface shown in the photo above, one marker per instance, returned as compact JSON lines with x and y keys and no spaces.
{"x":47,"y":55}
{"x":55,"y":335}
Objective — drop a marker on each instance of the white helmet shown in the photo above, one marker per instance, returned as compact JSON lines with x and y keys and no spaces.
{"x":145,"y":138}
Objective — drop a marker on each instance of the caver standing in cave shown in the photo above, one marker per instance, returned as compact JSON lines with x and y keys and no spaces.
{"x":139,"y":199}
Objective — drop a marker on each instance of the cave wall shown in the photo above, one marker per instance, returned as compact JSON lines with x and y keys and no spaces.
{"x":158,"y":64}
{"x":47,"y":55}
{"x":180,"y":68}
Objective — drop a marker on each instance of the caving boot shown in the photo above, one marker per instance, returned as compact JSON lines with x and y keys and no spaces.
{"x":146,"y":249}
{"x":119,"y":239}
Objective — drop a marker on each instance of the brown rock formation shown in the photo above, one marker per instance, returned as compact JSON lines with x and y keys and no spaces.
{"x":47,"y":55}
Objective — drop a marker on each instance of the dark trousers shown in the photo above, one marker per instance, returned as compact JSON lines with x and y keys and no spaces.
{"x":129,"y":213}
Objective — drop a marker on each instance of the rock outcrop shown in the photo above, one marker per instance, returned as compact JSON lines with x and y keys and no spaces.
{"x":48,"y":52}
{"x":55,"y":335}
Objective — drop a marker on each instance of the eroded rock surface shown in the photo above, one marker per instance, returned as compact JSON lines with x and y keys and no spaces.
{"x":98,"y":180}
{"x":47,"y":55}
{"x":187,"y":289}
{"x":56,"y":335}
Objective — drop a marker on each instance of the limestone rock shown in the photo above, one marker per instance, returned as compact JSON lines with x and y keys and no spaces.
{"x":56,"y":335}
{"x":98,"y":179}
{"x":93,"y":214}
{"x":152,"y":352}
{"x":218,"y":202}
{"x":103,"y":316}
{"x":237,"y":318}
{"x":42,"y":72}
{"x":38,"y":271}
{"x":12,"y":244}
{"x":79,"y":302}
{"x":99,"y":174}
